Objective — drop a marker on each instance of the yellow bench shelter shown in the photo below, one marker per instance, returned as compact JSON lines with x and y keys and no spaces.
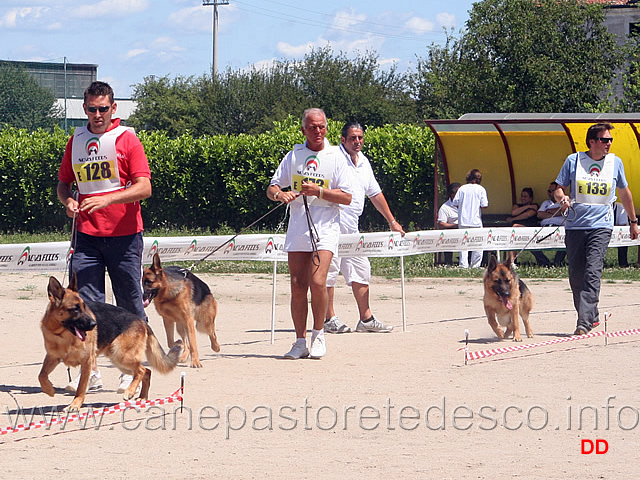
{"x":518,"y":150}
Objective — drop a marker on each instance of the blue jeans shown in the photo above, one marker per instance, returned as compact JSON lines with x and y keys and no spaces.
{"x":586,"y":250}
{"x":121,"y":257}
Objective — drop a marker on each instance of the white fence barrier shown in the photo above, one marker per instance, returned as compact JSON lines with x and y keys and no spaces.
{"x":53,"y":256}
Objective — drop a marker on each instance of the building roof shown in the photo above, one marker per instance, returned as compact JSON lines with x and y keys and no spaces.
{"x":125,"y":109}
{"x":613,"y":3}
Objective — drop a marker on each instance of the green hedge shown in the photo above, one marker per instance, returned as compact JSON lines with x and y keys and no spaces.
{"x":211,"y":181}
{"x":28,"y":177}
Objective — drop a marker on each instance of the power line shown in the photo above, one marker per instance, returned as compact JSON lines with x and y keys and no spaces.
{"x":331,"y":16}
{"x":322,"y":24}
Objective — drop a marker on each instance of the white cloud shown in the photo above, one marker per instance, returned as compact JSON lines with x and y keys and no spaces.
{"x":160,"y":48}
{"x":199,"y":18}
{"x":419,"y":25}
{"x":262,"y":64}
{"x":165,"y":45}
{"x":17,"y":15}
{"x":110,"y":8}
{"x":445,"y":19}
{"x":350,"y":47}
{"x":193,"y":19}
{"x":362,"y":44}
{"x":388,"y":61}
{"x":136,"y":52}
{"x":54,"y":26}
{"x":297,"y":51}
{"x":345,"y":19}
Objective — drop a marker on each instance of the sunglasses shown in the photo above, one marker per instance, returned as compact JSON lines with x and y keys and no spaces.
{"x":605,"y":139}
{"x":104,"y":109}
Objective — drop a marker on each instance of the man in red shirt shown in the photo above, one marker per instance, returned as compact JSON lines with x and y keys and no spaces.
{"x":108,"y":165}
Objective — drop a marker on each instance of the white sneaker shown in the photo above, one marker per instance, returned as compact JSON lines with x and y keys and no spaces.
{"x":334,"y":325}
{"x":318,"y":347}
{"x":95,"y":383}
{"x":298,"y":351}
{"x":125,"y":381}
{"x":373,"y":325}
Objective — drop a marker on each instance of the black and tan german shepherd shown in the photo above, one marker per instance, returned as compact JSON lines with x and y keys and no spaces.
{"x":182,"y":299}
{"x":506,"y":297}
{"x":76,"y":332}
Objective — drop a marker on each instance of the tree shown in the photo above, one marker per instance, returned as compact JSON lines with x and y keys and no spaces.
{"x":631,"y":76}
{"x":24,"y":103}
{"x":357,"y":90}
{"x":249,"y":101}
{"x":521,"y":56}
{"x":232,"y":102}
{"x":164,"y":104}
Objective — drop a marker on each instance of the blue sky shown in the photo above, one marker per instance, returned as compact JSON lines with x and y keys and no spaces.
{"x":133,"y":39}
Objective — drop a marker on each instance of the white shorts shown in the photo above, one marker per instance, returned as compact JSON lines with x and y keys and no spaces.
{"x":298,"y":239}
{"x":354,"y":269}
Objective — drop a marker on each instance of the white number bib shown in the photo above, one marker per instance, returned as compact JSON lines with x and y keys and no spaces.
{"x":594,"y":179}
{"x":94,"y":160}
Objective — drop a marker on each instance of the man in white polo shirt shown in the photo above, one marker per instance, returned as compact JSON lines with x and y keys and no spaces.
{"x":357,"y":270}
{"x":319,"y":181}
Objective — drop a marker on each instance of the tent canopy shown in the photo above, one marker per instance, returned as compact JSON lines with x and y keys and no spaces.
{"x":516,"y":150}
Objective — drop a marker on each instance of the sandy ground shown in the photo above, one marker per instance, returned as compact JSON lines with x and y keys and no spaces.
{"x":398,"y":405}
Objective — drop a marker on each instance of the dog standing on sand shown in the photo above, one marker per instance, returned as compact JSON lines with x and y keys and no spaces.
{"x":76,"y":332}
{"x":505,"y":298}
{"x":182,"y":299}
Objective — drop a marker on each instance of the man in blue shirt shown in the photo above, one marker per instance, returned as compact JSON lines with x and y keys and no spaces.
{"x":593,"y":178}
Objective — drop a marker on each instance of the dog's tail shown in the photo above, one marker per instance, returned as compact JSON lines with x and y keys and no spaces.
{"x":160,"y":361}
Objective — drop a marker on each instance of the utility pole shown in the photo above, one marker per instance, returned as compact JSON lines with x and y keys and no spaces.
{"x":66,"y":121}
{"x":214,"y":60}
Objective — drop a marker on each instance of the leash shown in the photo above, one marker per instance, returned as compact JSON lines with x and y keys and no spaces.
{"x":72,"y":248}
{"x":74,"y":238}
{"x":565,"y":214}
{"x":234,"y":237}
{"x":313,"y":234}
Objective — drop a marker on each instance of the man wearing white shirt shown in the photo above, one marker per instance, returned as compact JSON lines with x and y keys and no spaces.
{"x":357,"y":270}
{"x":319,"y":180}
{"x":448,"y":216}
{"x":471,"y":199}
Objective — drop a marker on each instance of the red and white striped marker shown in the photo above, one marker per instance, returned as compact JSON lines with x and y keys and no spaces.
{"x":498,"y":351}
{"x":73,"y":417}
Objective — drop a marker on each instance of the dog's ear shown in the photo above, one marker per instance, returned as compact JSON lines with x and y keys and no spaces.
{"x":55,"y":290}
{"x":493,"y":263}
{"x":73,"y":282}
{"x":509,"y":261}
{"x":157,"y":267}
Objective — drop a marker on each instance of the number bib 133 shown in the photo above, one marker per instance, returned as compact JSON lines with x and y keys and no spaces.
{"x":594,"y":180}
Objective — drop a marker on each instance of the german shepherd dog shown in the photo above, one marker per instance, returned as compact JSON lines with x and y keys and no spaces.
{"x":506,"y":297}
{"x":76,"y":332}
{"x":182,"y":299}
